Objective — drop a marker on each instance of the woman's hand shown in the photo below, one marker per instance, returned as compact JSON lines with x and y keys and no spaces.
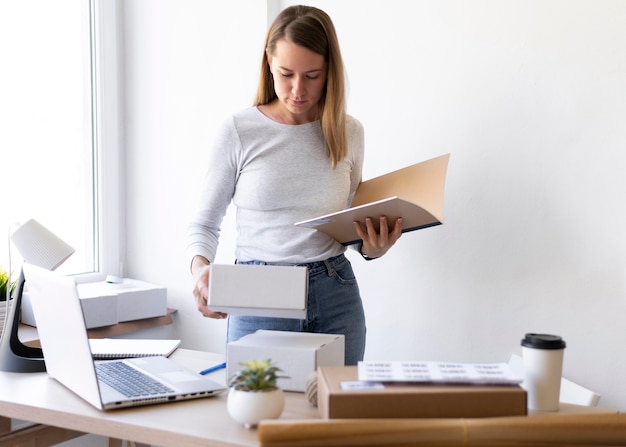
{"x":376,"y":244}
{"x":200,"y":268}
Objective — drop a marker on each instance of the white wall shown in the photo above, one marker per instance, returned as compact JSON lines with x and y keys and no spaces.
{"x":529,"y":97}
{"x":188,"y":64}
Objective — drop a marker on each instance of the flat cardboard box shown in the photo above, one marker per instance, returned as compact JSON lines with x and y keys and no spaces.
{"x":98,"y":309}
{"x":395,"y":400}
{"x":297,"y":354}
{"x":258,"y":290}
{"x":106,"y":304}
{"x":137,"y":300}
{"x":133,"y":299}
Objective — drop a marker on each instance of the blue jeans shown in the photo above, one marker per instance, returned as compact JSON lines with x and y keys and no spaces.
{"x":333,"y":307}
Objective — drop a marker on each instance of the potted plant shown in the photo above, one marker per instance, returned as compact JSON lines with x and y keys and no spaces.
{"x":254,"y":394}
{"x":5,"y":279}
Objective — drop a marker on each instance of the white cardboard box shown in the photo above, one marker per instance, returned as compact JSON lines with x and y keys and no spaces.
{"x":137,"y":300}
{"x":26,"y":315}
{"x":258,"y":290}
{"x":99,"y":310}
{"x":297,"y":354}
{"x":106,"y":304}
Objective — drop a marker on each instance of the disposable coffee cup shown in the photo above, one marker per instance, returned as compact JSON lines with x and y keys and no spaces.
{"x":542,"y":356}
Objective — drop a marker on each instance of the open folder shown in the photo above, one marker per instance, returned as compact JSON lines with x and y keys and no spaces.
{"x":414,"y":193}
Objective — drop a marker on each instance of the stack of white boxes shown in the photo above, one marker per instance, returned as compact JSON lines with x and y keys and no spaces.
{"x":106,"y":303}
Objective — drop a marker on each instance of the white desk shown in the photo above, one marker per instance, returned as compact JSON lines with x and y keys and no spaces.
{"x":204,"y":422}
{"x":200,"y":423}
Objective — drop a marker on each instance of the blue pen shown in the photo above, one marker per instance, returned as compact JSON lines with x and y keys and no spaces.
{"x":213,"y":368}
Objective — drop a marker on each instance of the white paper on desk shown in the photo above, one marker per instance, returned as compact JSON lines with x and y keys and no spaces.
{"x":438,"y":372}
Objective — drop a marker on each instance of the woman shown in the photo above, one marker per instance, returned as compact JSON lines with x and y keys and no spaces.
{"x":295,"y":155}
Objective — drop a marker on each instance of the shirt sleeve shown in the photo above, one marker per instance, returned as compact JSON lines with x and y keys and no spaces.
{"x":216,"y":194}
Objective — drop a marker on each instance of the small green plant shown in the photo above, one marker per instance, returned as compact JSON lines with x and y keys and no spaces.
{"x":5,"y":280}
{"x":256,"y":375}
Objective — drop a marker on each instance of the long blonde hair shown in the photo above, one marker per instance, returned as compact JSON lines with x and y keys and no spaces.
{"x":313,"y":29}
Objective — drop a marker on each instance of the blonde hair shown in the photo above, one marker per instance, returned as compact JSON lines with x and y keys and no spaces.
{"x":313,"y":29}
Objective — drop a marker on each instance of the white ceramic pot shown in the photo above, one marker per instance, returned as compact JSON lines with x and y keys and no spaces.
{"x":251,"y":407}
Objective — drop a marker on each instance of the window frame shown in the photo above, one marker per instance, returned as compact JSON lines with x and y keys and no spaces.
{"x":103,"y":95}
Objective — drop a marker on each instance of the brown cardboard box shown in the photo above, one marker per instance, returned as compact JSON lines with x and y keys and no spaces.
{"x":398,"y":400}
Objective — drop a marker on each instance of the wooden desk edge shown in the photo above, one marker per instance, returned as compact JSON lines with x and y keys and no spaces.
{"x":126,"y":327}
{"x":122,"y":328}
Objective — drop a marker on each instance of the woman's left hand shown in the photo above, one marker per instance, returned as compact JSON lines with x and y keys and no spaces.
{"x":376,"y":244}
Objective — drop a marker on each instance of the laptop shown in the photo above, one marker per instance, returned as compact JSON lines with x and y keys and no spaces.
{"x":67,"y":354}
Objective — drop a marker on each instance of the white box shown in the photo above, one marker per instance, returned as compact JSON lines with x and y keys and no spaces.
{"x":258,"y":290}
{"x":137,"y":300}
{"x":106,"y":304}
{"x":128,"y":300}
{"x":26,"y":315}
{"x":98,"y":309}
{"x":297,"y":354}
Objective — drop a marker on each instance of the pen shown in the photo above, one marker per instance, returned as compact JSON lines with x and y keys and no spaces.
{"x":213,"y":368}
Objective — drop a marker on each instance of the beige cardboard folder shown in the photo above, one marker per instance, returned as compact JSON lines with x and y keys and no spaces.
{"x":414,"y":193}
{"x":258,"y":290}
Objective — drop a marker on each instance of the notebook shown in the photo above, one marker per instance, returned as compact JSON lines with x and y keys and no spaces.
{"x":68,"y":357}
{"x":118,"y":348}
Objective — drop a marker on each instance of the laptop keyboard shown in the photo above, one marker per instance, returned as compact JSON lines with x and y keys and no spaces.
{"x":128,"y":381}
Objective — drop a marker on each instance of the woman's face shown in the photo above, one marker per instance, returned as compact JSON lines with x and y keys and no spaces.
{"x":299,"y":79}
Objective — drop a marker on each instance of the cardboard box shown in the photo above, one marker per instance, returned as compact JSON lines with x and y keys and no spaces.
{"x":133,"y":299}
{"x":137,"y":300}
{"x":26,"y":315}
{"x":98,"y":309}
{"x":258,"y":290}
{"x":297,"y":354}
{"x":395,"y":400}
{"x":106,"y":304}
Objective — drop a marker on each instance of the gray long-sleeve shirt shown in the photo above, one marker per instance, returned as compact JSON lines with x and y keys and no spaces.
{"x":276,"y":175}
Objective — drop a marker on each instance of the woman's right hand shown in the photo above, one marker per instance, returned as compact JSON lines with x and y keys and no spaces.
{"x":200,"y":268}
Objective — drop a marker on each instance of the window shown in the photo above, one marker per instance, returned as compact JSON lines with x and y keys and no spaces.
{"x":59,"y":137}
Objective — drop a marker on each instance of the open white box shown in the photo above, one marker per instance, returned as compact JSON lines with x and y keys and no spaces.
{"x":297,"y":354}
